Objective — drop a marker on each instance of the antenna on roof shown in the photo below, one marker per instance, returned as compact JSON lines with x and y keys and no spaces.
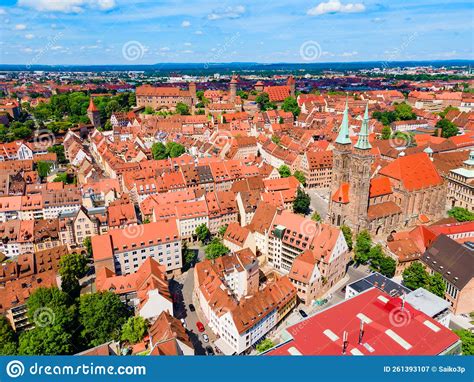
{"x":361,"y":331}
{"x":344,"y":342}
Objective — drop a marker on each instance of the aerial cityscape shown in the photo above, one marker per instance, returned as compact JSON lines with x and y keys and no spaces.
{"x":200,"y":179}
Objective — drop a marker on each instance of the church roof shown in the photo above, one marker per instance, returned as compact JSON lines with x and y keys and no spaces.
{"x":343,"y":136}
{"x":363,"y":140}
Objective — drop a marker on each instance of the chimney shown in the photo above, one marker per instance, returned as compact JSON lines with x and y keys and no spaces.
{"x":361,"y":331}
{"x":344,"y":342}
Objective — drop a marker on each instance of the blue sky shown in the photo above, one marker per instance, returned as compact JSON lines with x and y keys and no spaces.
{"x":147,"y":32}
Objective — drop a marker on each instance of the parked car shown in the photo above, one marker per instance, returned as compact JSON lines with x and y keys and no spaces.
{"x":303,"y":313}
{"x":200,"y":326}
{"x":205,"y":338}
{"x":210,"y":350}
{"x":183,"y":322}
{"x":191,"y":308}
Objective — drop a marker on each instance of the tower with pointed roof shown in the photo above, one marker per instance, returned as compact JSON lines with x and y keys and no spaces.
{"x":341,"y":168}
{"x":359,"y":183}
{"x":292,"y":84}
{"x":94,"y":114}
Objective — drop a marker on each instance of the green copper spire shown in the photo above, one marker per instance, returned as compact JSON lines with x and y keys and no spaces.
{"x":363,"y":141}
{"x":343,"y":136}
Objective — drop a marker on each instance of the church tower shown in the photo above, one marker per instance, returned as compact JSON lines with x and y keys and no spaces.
{"x":359,"y":183}
{"x":340,"y":172}
{"x":233,"y":88}
{"x":94,"y":114}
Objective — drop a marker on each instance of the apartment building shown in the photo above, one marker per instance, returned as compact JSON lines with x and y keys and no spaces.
{"x":124,"y":250}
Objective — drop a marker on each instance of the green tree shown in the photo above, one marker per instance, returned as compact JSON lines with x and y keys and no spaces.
{"x":276,"y":139}
{"x":49,"y":340}
{"x":43,"y":169}
{"x":404,"y":112}
{"x":87,"y":244}
{"x":381,"y":263}
{"x":386,"y":132}
{"x":222,"y":230}
{"x":461,"y":214}
{"x":263,"y":101}
{"x":448,"y":129}
{"x":72,"y":267}
{"x":300,"y":176}
{"x":436,"y":285}
{"x":59,"y":151}
{"x":215,"y":249}
{"x":467,"y":340}
{"x":182,"y":108}
{"x":51,"y":306}
{"x":8,"y":340}
{"x":174,"y":149}
{"x":301,"y":203}
{"x":362,"y":247}
{"x":284,"y":171}
{"x":415,"y":276}
{"x":134,"y":329}
{"x":203,"y":233}
{"x":316,"y":217}
{"x":291,"y":105}
{"x":101,"y":316}
{"x":64,"y":177}
{"x":447,"y":110}
{"x":264,"y":345}
{"x":346,"y":231}
{"x":159,"y":151}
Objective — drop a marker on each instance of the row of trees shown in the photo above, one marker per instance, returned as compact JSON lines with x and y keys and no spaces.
{"x":402,"y":112}
{"x":461,"y":214}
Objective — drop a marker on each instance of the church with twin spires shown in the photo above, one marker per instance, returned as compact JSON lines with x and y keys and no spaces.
{"x":406,"y":192}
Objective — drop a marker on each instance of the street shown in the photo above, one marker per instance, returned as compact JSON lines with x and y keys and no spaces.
{"x":319,"y":201}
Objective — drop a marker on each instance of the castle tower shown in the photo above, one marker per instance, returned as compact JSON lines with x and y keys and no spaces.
{"x":292,"y":84}
{"x":361,"y":161}
{"x":233,"y":88}
{"x":259,"y":86}
{"x":340,"y":172}
{"x":192,"y":91}
{"x":94,"y":114}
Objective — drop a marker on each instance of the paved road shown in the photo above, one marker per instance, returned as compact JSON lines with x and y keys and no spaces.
{"x":182,"y":289}
{"x":319,"y":201}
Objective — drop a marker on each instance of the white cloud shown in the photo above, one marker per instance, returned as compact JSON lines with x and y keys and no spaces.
{"x":67,"y":6}
{"x":29,"y":36}
{"x":187,"y":51}
{"x":20,"y":27}
{"x":335,"y":6}
{"x":227,"y":13}
{"x":165,"y":49}
{"x":3,"y":11}
{"x":185,"y":24}
{"x":198,"y":32}
{"x":187,"y":44}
